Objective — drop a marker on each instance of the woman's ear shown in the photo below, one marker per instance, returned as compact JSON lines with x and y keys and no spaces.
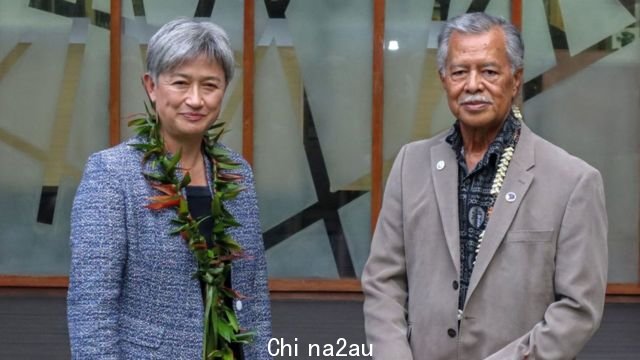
{"x":149,"y":87}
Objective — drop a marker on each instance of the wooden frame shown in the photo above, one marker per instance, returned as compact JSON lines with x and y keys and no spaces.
{"x":278,"y":286}
{"x":623,"y":289}
{"x":248,"y":61}
{"x":34,"y":281}
{"x":315,"y":285}
{"x":377,"y":111}
{"x":115,"y":55}
{"x":516,"y":13}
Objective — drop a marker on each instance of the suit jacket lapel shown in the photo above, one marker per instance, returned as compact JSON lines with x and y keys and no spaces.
{"x":445,"y":180}
{"x":517,"y":181}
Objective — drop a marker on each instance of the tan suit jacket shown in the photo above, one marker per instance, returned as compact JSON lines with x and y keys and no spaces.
{"x":538,"y":285}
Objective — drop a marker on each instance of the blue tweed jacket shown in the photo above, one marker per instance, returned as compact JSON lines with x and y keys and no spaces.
{"x":131,"y":290}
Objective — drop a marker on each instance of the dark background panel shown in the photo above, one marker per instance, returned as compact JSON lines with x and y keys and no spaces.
{"x":33,"y":326}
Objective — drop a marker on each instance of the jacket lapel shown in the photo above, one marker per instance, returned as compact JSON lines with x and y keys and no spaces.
{"x":444,"y":171}
{"x":517,"y":181}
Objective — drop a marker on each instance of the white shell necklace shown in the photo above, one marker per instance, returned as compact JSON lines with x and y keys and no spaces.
{"x":498,"y":180}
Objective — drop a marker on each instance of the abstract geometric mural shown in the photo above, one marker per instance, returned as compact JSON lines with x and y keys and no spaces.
{"x":312,"y":111}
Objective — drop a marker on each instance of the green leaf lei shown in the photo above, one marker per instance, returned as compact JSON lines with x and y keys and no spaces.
{"x":221,"y":327}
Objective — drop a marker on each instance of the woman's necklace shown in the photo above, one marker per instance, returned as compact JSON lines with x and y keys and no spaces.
{"x":221,"y":327}
{"x":198,"y":159}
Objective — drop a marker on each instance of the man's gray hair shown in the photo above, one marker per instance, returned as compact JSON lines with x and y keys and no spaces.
{"x":480,"y":23}
{"x":184,"y":39}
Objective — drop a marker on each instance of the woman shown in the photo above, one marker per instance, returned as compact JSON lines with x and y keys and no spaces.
{"x":151,"y":244}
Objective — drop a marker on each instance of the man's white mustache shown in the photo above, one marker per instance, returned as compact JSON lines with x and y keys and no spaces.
{"x":475,"y":98}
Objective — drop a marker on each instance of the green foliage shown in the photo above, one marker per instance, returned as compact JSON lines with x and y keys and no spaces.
{"x":221,"y":327}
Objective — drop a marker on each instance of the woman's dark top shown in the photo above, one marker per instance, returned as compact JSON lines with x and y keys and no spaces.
{"x":199,"y":200}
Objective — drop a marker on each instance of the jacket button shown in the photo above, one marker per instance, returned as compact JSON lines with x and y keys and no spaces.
{"x":451,"y":333}
{"x":455,"y":285}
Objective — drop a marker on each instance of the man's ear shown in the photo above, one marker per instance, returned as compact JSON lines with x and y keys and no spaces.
{"x":517,"y":82}
{"x":149,"y":87}
{"x":442,"y":78}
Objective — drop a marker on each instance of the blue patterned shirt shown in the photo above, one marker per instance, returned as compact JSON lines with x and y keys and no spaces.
{"x":474,"y":198}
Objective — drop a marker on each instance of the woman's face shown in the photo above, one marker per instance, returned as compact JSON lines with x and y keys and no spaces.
{"x":187,"y":99}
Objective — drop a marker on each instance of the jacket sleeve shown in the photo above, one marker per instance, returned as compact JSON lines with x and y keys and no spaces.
{"x":98,"y":254}
{"x":580,"y":280}
{"x":259,"y":347}
{"x":384,"y":280}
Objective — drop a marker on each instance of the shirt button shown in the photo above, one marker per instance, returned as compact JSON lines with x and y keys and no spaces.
{"x":238,"y":305}
{"x":455,"y":285}
{"x":451,"y":333}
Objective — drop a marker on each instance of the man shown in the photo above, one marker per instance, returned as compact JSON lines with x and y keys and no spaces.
{"x":491,"y":242}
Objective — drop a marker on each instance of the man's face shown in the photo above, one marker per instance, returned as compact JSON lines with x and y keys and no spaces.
{"x":478,"y":79}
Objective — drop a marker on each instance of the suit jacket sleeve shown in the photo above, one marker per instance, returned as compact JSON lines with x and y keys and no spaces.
{"x":98,"y":253}
{"x":384,"y":279}
{"x":580,"y":280}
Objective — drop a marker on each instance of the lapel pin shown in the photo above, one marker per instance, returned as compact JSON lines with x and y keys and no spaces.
{"x":511,"y":196}
{"x":440,"y":165}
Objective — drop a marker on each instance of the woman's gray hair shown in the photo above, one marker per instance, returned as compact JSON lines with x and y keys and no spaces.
{"x":480,"y":23}
{"x":184,"y":39}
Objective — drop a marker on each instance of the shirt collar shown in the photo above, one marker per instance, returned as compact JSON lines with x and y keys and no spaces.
{"x":504,"y":138}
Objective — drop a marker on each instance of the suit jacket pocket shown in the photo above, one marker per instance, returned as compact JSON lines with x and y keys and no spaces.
{"x":140,"y":332}
{"x":529,"y":236}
